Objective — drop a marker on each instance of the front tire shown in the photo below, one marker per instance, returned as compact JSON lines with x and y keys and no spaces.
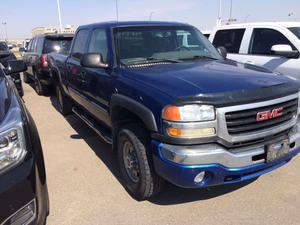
{"x":135,"y":162}
{"x":26,"y":78}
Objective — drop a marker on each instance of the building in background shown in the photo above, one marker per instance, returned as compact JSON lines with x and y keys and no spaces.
{"x":52,"y":30}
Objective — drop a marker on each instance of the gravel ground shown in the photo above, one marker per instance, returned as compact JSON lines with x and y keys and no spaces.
{"x":84,"y":187}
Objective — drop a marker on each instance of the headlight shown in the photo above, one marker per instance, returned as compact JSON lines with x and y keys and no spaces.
{"x":12,"y":142}
{"x":190,"y":121}
{"x":189,"y":113}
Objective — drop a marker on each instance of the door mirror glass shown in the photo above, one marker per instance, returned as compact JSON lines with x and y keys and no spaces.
{"x":93,"y":60}
{"x":285,"y":51}
{"x":223,"y":52}
{"x":15,"y":66}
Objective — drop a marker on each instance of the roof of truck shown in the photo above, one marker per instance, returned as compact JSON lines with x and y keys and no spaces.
{"x":283,"y":24}
{"x":55,"y":35}
{"x":134,"y":23}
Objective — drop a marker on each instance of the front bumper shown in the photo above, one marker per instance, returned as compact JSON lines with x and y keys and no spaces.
{"x":22,"y":190}
{"x":181,"y":164}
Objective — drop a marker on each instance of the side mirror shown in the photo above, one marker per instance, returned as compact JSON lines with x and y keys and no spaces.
{"x":15,"y":66}
{"x":284,"y":51}
{"x":22,"y":49}
{"x":93,"y":60}
{"x":223,"y":52}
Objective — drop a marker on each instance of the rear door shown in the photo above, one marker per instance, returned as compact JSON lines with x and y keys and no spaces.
{"x":97,"y":82}
{"x":74,"y":69}
{"x":259,"y":51}
{"x":28,"y":56}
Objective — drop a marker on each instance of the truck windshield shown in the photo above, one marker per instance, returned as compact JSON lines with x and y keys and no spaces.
{"x":296,"y":31}
{"x":147,"y":44}
{"x":57,"y":45}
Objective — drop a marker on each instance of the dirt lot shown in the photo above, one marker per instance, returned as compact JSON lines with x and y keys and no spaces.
{"x":84,"y":187}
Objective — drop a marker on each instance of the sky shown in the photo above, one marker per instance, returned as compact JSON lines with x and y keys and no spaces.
{"x":22,"y":16}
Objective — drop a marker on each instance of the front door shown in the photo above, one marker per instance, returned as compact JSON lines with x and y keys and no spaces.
{"x":97,"y":82}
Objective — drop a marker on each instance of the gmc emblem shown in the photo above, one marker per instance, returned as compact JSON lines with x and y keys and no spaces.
{"x":267,"y":115}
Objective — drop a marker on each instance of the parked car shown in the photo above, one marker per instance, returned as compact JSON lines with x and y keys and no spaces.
{"x":272,"y":45}
{"x":176,"y":111}
{"x":5,"y":56}
{"x":206,"y":33}
{"x":24,"y":46}
{"x":36,"y":58}
{"x":23,"y":188}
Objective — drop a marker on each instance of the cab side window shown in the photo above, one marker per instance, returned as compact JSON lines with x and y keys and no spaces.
{"x":32,"y":45}
{"x":98,"y":43}
{"x":39,"y":45}
{"x":230,"y":39}
{"x":264,"y":38}
{"x":80,"y":43}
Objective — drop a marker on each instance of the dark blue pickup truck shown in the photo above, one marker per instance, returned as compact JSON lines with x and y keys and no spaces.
{"x":174,"y":108}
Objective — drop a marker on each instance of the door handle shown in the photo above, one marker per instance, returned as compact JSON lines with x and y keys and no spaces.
{"x":81,"y":76}
{"x":249,"y":62}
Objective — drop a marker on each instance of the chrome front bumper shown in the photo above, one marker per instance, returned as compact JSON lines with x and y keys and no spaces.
{"x":217,"y":154}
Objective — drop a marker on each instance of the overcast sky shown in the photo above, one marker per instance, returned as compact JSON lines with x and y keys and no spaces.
{"x":22,"y":16}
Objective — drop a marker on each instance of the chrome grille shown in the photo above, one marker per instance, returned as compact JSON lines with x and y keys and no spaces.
{"x":244,"y":121}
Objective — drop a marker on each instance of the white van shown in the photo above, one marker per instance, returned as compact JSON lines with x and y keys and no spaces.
{"x":274,"y":45}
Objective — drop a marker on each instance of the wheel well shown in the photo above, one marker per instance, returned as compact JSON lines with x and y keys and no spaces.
{"x":54,"y":76}
{"x":121,"y":116}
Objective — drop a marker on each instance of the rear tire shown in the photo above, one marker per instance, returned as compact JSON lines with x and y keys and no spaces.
{"x":39,"y":87}
{"x":26,"y":78}
{"x":65,"y":104}
{"x":135,"y":161}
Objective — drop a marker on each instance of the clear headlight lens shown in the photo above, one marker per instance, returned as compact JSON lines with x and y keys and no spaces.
{"x":190,"y":121}
{"x":189,"y":113}
{"x":12,"y":140}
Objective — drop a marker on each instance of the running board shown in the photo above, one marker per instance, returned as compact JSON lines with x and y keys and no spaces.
{"x":105,"y":135}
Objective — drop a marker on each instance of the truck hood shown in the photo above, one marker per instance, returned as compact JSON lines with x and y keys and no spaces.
{"x":208,"y":78}
{"x":5,"y":98}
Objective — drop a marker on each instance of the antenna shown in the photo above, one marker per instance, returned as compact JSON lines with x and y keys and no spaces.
{"x":117,"y":10}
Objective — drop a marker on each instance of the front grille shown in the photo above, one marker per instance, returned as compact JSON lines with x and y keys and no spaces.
{"x":244,"y":121}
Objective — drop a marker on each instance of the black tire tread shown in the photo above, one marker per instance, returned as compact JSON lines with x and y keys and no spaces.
{"x":151,"y":184}
{"x":66,"y":108}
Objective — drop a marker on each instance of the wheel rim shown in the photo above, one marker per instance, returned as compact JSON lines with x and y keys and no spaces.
{"x":131,"y":162}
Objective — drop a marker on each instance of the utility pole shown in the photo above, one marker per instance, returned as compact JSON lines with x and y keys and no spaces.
{"x":117,"y":10}
{"x":230,"y":10}
{"x":59,"y":16}
{"x":150,"y":16}
{"x":219,"y":20}
{"x":5,"y":29}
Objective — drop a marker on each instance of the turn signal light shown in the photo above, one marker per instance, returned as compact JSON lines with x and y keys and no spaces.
{"x":191,"y":133}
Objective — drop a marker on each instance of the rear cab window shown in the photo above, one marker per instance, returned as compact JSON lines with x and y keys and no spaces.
{"x":295,"y":31}
{"x":231,"y":39}
{"x":263,"y":39}
{"x":60,"y":45}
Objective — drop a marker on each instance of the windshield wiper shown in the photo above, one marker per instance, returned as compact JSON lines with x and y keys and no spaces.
{"x":163,"y":60}
{"x":199,"y":57}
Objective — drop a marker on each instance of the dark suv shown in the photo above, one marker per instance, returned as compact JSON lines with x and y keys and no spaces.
{"x":5,"y":56}
{"x":23,"y":188}
{"x":36,"y":58}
